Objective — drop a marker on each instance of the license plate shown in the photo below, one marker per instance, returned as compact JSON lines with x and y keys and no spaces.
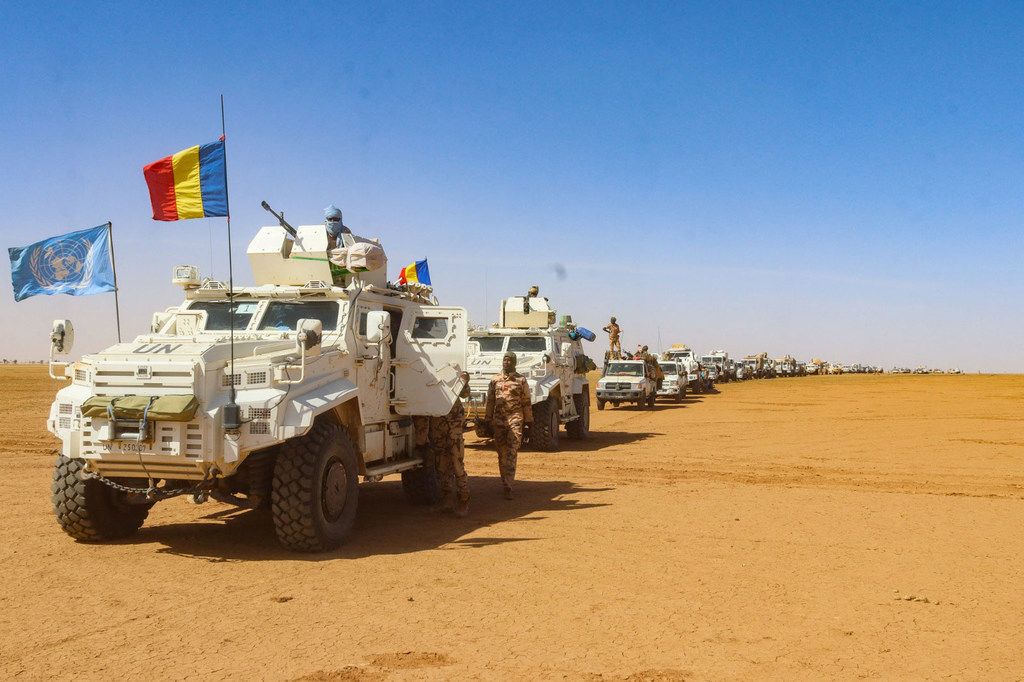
{"x":126,"y":446}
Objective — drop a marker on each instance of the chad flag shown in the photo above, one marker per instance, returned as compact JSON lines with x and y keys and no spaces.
{"x":417,"y":272}
{"x":190,"y":184}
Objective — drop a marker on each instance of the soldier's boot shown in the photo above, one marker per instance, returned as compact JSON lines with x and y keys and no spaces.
{"x":447,"y":502}
{"x":462,"y":508}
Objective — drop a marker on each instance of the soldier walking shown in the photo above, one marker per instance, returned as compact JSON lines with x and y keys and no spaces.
{"x":613,"y":339}
{"x":449,"y":454}
{"x":508,"y":410}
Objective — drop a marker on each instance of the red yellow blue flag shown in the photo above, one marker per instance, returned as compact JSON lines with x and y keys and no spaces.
{"x":418,"y":272}
{"x":190,"y":184}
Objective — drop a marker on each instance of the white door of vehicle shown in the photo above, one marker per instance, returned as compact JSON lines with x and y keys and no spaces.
{"x":373,"y":366}
{"x":430,"y":352}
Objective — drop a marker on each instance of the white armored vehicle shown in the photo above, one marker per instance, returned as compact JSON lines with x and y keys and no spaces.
{"x":550,"y":356}
{"x":284,"y":393}
{"x":674,"y":383}
{"x":686,"y":356}
{"x":726,"y":370}
{"x":626,"y":381}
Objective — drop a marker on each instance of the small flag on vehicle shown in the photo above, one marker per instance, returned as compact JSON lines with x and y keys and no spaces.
{"x":417,"y":273}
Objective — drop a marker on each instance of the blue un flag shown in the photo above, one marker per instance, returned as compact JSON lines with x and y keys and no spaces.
{"x":77,"y":263}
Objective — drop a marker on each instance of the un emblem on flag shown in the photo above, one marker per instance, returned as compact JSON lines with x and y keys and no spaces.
{"x":64,"y":264}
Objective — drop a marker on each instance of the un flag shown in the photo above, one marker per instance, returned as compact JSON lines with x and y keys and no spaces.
{"x":77,"y":263}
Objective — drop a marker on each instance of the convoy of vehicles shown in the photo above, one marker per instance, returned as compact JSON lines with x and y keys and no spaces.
{"x":284,"y":394}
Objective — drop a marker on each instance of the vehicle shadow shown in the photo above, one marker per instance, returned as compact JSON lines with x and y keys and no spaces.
{"x":386,"y":523}
{"x":595,"y":441}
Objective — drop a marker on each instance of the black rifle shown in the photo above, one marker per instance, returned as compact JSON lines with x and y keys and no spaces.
{"x":280,"y":218}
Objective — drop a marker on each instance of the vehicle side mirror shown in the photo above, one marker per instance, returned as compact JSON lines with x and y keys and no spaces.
{"x":159,"y":321}
{"x":310,"y":335}
{"x":378,"y":326}
{"x":62,"y":338}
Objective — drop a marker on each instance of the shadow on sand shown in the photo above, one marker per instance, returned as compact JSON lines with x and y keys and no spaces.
{"x":385,"y":524}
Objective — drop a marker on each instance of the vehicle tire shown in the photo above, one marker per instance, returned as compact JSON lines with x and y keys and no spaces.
{"x":90,"y":510}
{"x":600,"y":404}
{"x":316,"y":490}
{"x":580,"y":428}
{"x":422,"y":485}
{"x":544,"y":432}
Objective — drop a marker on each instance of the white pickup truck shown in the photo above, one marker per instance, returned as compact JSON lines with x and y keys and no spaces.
{"x":626,"y":381}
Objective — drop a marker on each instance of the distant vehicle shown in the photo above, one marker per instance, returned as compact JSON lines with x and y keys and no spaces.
{"x":674,"y":384}
{"x":626,"y":381}
{"x":725,"y":365}
{"x":694,"y":380}
{"x":712,"y":369}
{"x":955,"y":370}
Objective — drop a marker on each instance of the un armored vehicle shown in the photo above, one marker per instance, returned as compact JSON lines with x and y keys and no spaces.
{"x":281,"y":394}
{"x":682,"y":353}
{"x":549,"y":355}
{"x":626,"y":381}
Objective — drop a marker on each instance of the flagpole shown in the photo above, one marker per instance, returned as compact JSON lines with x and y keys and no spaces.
{"x":232,"y":413}
{"x":113,"y":267}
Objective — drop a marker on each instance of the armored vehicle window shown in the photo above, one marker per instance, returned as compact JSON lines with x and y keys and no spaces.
{"x":669,"y":368}
{"x":430,"y":328}
{"x":286,"y":314}
{"x":490,"y":344}
{"x":527,"y":344}
{"x":625,"y":369}
{"x":219,"y":313}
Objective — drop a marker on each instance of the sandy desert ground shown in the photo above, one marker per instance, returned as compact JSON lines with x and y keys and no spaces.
{"x":825,"y":528}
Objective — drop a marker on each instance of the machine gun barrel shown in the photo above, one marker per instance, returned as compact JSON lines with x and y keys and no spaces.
{"x":280,"y":219}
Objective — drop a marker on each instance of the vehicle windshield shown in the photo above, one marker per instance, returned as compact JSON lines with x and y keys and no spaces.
{"x":708,"y":359}
{"x":669,"y":368}
{"x":219,"y":313}
{"x":285,"y":315}
{"x":625,"y":369}
{"x":527,"y":344}
{"x":490,"y":344}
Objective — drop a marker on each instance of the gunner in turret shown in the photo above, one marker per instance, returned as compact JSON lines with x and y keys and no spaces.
{"x":335,"y":228}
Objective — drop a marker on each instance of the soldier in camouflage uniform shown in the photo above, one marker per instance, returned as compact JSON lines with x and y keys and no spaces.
{"x":508,"y":410}
{"x":614,"y":346}
{"x":653,"y":367}
{"x":449,"y":453}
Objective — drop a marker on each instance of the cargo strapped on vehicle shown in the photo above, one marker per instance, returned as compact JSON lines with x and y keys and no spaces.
{"x":164,"y":408}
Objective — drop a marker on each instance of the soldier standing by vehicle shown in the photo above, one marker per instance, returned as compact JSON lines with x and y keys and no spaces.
{"x":653,"y":368}
{"x":508,"y":409}
{"x":613,"y":339}
{"x":448,"y":449}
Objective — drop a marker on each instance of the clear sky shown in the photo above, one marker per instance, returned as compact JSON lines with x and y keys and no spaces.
{"x":824,"y":179}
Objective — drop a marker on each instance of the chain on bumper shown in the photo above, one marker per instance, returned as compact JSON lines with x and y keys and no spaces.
{"x":152,"y":492}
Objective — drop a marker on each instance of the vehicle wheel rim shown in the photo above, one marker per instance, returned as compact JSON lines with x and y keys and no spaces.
{"x":335,"y":490}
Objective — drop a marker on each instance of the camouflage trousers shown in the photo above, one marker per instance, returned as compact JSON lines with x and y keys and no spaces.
{"x":614,"y":346}
{"x":508,"y":438}
{"x":449,"y":451}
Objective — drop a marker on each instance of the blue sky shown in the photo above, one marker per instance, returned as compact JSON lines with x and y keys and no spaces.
{"x":837,"y":180}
